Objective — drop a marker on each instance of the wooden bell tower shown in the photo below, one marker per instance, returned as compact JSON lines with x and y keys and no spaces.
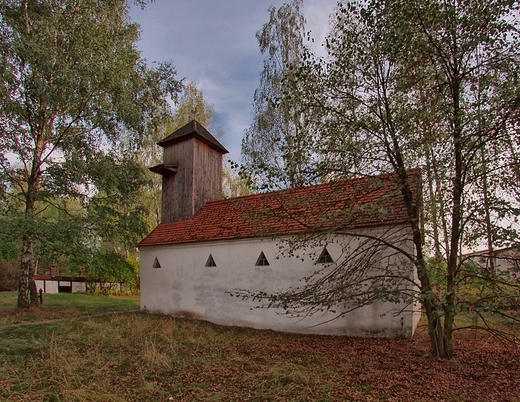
{"x":191,"y":171}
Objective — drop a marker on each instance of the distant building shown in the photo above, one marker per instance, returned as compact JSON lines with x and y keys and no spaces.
{"x":60,"y":284}
{"x":504,"y":259}
{"x":54,"y":283}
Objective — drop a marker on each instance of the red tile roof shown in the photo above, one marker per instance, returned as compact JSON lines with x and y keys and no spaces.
{"x":355,"y":203}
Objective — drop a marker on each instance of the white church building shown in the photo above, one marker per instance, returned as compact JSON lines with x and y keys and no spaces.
{"x":207,"y":248}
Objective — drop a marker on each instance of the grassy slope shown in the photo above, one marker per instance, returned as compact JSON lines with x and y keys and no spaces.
{"x":131,"y":356}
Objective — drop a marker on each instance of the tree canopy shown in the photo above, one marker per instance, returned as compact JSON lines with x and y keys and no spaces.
{"x":431,"y":85}
{"x":76,"y":101}
{"x":276,"y":142}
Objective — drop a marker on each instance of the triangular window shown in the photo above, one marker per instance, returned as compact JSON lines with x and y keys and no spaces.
{"x":210,"y":262}
{"x":156,"y":263}
{"x":262,"y":261}
{"x":325,"y":257}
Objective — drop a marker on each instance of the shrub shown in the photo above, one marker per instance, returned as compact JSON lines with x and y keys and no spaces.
{"x":9,"y":276}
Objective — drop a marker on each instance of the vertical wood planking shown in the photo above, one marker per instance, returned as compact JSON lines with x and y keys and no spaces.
{"x":198,"y":179}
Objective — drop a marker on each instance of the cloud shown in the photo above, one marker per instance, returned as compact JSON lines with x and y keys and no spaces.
{"x":213,"y":43}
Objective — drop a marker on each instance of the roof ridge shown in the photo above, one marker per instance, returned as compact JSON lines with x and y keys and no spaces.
{"x":367,"y":201}
{"x":310,"y":186}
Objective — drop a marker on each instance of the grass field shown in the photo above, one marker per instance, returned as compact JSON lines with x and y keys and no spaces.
{"x":95,"y":348}
{"x":56,"y":306}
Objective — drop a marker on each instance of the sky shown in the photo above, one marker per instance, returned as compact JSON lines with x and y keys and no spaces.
{"x":213,"y":43}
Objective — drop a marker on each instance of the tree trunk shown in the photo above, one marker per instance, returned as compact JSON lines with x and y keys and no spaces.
{"x":440,"y":337}
{"x":490,"y":266}
{"x":33,"y":292}
{"x":24,"y":294}
{"x":456,"y":217}
{"x":27,"y":294}
{"x":440,"y":346}
{"x":434,"y":213}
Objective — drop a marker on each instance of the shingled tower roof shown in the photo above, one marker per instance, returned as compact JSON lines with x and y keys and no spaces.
{"x":193,"y":129}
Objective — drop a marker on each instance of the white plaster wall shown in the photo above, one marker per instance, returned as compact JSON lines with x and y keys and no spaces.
{"x":78,"y":287}
{"x":183,"y":286}
{"x":49,"y":287}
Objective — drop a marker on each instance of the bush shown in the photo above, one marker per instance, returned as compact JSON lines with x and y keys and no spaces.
{"x":9,"y":276}
{"x":111,"y":289}
{"x":113,"y":274}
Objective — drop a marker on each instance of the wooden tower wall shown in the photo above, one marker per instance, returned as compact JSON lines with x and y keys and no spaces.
{"x":198,"y":179}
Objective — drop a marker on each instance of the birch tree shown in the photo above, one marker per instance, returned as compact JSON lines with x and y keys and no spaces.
{"x":275,"y":145}
{"x":74,"y":93}
{"x":429,"y":84}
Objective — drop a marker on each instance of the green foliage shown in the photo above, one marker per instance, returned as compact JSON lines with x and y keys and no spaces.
{"x":115,"y":212}
{"x":275,"y":148}
{"x":9,"y":251}
{"x":111,"y":267}
{"x":191,"y":106}
{"x":431,"y":85}
{"x":233,"y":183}
{"x":76,"y":103}
{"x":10,"y":245}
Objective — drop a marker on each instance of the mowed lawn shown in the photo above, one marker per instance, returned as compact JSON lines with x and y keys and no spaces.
{"x":95,"y":348}
{"x":63,"y":305}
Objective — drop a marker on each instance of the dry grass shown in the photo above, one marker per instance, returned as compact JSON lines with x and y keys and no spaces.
{"x":133,"y":356}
